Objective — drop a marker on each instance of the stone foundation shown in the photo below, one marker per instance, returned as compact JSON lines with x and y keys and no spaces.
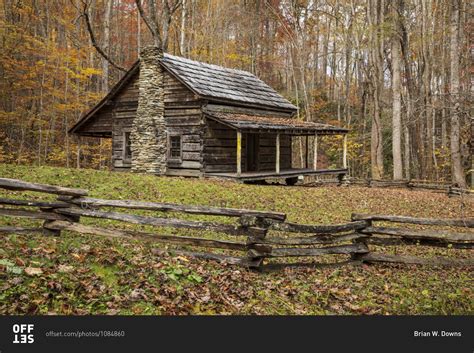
{"x":148,"y":136}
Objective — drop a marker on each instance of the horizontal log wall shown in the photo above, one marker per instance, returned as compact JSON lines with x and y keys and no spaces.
{"x":183,"y":117}
{"x":220,"y":148}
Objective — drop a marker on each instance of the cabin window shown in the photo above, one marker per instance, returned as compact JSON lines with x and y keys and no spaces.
{"x":175,"y":147}
{"x":127,"y":147}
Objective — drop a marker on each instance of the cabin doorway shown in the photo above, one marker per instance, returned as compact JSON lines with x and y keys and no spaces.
{"x":252,"y":151}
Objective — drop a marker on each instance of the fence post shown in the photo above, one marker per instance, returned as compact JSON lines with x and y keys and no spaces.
{"x":363,"y":240}
{"x":48,"y":226}
{"x":255,"y":251}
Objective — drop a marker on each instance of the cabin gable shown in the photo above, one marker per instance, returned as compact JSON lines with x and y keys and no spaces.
{"x":183,"y":120}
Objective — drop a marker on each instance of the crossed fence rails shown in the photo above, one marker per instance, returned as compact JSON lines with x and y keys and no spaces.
{"x":268,"y":235}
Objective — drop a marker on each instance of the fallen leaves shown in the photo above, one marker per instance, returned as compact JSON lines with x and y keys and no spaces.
{"x":65,"y":268}
{"x":33,"y":271}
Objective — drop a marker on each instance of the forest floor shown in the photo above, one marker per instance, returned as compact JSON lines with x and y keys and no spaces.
{"x":78,"y":274}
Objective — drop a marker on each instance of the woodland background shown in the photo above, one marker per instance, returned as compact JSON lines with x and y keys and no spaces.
{"x":384,"y":69}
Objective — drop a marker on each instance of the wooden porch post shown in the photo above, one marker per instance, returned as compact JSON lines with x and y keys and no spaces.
{"x":277,"y":162}
{"x":239,"y":153}
{"x":344,"y":152}
{"x":307,"y":151}
{"x":315,"y":161}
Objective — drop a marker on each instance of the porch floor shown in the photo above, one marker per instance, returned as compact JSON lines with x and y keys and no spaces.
{"x":268,"y":174}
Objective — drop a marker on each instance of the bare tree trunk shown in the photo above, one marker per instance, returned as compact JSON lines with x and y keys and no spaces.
{"x":78,"y":156}
{"x":106,"y":45}
{"x":409,"y":117}
{"x":139,"y":32}
{"x":182,"y":38}
{"x":457,"y":170}
{"x":396,"y":96}
{"x":426,"y":51}
{"x":444,"y":90}
{"x":324,"y":68}
{"x":375,"y":18}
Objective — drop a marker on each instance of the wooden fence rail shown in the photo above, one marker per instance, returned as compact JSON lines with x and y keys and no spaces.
{"x":261,"y":245}
{"x":436,"y":186}
{"x":389,"y":236}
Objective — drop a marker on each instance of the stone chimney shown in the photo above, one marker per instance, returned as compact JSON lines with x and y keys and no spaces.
{"x":148,"y":135}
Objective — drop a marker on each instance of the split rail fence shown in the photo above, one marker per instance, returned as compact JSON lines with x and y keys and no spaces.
{"x":263,"y":235}
{"x":447,"y":188}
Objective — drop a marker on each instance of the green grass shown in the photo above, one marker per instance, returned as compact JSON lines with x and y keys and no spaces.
{"x":95,"y":275}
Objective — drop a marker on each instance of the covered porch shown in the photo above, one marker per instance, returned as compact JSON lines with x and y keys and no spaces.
{"x":252,"y":128}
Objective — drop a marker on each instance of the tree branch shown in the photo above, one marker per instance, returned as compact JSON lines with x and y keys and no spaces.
{"x":85,"y":14}
{"x":151,"y":21}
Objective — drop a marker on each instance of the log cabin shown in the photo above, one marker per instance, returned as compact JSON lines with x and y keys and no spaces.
{"x":219,"y":122}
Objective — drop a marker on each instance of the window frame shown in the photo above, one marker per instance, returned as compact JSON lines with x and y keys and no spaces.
{"x":170,"y":147}
{"x":125,"y":158}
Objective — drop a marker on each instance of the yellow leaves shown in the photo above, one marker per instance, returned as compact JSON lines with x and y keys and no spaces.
{"x":89,"y":71}
{"x":83,"y":74}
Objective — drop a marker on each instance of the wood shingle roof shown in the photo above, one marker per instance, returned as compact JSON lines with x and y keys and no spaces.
{"x":224,"y":84}
{"x":254,"y":123}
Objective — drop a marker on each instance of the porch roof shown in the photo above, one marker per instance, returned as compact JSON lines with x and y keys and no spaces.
{"x":270,"y":124}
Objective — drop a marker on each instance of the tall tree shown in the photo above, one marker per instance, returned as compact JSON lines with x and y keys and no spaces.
{"x":457,"y":170}
{"x":106,"y":40}
{"x":396,"y":93}
{"x":375,"y":17}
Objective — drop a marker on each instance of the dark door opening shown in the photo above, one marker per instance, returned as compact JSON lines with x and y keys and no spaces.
{"x":252,"y":149}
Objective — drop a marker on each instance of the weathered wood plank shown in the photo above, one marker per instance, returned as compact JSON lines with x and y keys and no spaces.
{"x":30,"y":214}
{"x":292,"y":252}
{"x":14,"y":184}
{"x":183,"y":172}
{"x":191,"y":156}
{"x":191,"y":165}
{"x":391,"y":241}
{"x":421,"y":234}
{"x":191,"y":146}
{"x":155,"y":206}
{"x":320,"y":239}
{"x":22,"y":230}
{"x":13,"y":202}
{"x":435,"y":187}
{"x":325,"y":229}
{"x":388,"y":183}
{"x":161,"y":222}
{"x":232,"y":109}
{"x":191,"y":138}
{"x":116,"y":233}
{"x":467,"y":222}
{"x":232,"y":260}
{"x":412,"y":260}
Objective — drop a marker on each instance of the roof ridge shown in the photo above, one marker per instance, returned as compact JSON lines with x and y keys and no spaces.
{"x":214,"y":66}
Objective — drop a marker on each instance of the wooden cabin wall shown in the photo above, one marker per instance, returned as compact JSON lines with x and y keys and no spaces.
{"x":183,"y":117}
{"x":220,"y":148}
{"x":267,"y":155}
{"x":102,"y":124}
{"x":125,"y":110}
